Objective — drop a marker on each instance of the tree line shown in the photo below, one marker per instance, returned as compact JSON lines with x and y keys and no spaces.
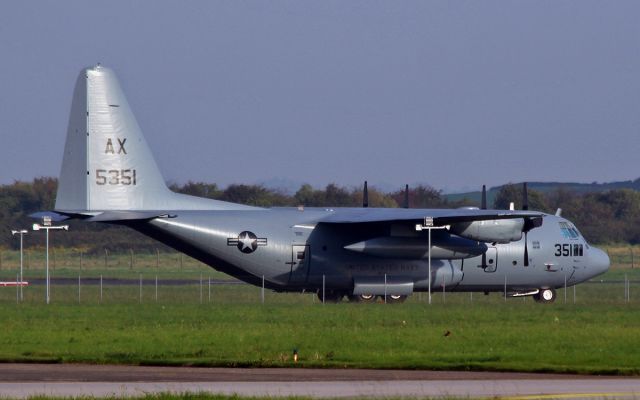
{"x":610,"y":216}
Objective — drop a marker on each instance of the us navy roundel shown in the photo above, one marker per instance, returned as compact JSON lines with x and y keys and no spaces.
{"x":247,"y":242}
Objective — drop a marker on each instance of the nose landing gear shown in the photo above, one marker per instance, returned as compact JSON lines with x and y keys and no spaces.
{"x":545,"y":296}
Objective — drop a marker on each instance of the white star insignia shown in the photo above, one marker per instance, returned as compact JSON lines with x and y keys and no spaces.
{"x":247,"y":241}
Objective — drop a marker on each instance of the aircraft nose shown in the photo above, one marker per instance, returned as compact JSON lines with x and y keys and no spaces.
{"x":598,"y":260}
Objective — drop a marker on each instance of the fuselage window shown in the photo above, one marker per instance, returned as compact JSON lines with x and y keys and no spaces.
{"x":568,"y":232}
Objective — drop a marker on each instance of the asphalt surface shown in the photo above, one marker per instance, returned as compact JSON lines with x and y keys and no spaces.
{"x":25,"y":380}
{"x":132,"y":282}
{"x":123,"y":373}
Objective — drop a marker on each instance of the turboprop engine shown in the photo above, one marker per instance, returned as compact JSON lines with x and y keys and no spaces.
{"x":492,"y":231}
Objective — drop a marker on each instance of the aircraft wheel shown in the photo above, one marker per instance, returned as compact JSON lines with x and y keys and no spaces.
{"x":396,"y":298}
{"x":331,"y":296}
{"x":545,"y":296}
{"x":362,"y":298}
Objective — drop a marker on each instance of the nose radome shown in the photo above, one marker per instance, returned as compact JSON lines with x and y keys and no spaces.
{"x":599,"y":261}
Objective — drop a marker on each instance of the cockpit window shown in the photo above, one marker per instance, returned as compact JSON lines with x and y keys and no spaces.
{"x":568,"y":231}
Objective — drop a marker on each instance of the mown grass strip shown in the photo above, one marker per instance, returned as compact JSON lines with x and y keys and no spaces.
{"x":595,"y":339}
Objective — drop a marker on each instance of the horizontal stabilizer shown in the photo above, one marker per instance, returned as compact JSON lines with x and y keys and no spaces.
{"x":116,"y":216}
{"x":53,"y":216}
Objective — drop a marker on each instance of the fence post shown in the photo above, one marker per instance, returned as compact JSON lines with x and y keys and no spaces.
{"x":505,"y":288}
{"x":631,"y":249}
{"x":444,"y":286}
{"x":626,"y":288}
{"x":18,"y":286}
{"x":385,"y":288}
{"x":80,"y":260}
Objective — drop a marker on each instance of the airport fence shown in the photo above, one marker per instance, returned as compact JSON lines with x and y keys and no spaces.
{"x":174,"y":278}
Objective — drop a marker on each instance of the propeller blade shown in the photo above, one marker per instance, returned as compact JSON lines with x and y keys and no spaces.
{"x":365,"y":196}
{"x":529,"y":224}
{"x":406,"y":196}
{"x":483,"y":204}
{"x":525,"y":197}
{"x":526,"y":251}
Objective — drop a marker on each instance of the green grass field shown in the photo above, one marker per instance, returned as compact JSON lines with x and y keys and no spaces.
{"x":173,"y":396}
{"x":227,"y":325}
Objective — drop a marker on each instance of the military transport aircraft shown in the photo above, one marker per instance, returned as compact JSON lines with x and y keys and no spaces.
{"x":109,"y":175}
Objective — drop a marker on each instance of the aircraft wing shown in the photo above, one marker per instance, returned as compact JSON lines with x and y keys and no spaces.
{"x":440,"y":216}
{"x":507,"y":226}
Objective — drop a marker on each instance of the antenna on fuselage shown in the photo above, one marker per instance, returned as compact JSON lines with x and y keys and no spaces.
{"x":365,"y":196}
{"x":483,"y":206}
{"x":529,"y":223}
{"x":406,"y":196}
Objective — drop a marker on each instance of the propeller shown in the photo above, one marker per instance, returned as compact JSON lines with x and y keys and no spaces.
{"x":483,"y":206}
{"x":529,"y":223}
{"x":365,"y":196}
{"x":406,"y":196}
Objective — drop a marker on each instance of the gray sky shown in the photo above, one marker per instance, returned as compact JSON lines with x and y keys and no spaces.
{"x":450,"y":93}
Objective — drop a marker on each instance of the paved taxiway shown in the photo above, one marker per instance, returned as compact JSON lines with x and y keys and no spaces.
{"x":24,"y":380}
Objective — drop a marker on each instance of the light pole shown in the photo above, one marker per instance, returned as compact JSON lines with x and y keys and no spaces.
{"x":21,"y":232}
{"x":46,"y":226}
{"x":428,"y":226}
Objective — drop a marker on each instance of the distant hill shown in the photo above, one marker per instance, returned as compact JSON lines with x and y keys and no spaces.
{"x":546,"y":187}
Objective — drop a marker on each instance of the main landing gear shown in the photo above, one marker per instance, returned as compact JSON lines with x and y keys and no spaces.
{"x":362,"y":298}
{"x":371,"y":298}
{"x":333,"y":296}
{"x":330,"y":296}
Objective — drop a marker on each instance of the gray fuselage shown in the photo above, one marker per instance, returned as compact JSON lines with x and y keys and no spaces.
{"x":292,"y":252}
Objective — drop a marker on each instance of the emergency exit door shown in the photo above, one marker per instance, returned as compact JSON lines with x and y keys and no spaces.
{"x":492,"y":260}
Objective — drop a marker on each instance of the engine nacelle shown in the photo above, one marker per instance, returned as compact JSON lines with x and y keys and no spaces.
{"x":443,"y":246}
{"x":495,"y":230}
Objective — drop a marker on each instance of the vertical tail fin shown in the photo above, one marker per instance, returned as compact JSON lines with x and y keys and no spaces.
{"x":107,"y":164}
